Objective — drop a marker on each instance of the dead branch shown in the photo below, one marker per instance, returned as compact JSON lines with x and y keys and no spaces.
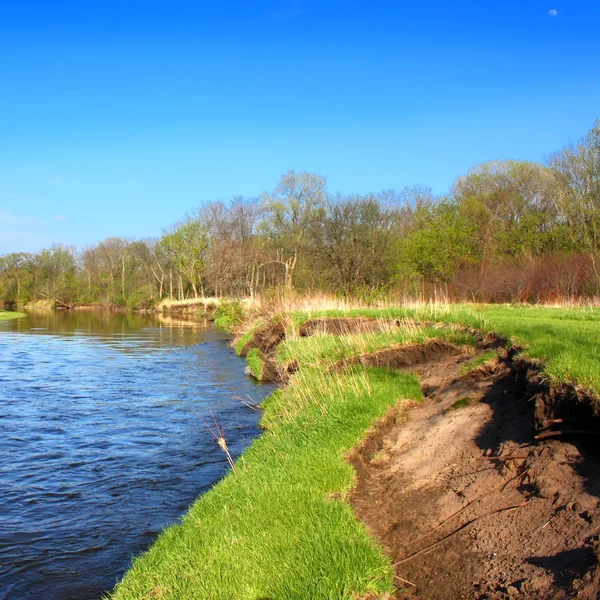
{"x":444,"y":539}
{"x":550,"y":434}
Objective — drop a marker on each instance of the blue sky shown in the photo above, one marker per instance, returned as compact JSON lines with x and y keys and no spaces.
{"x":118,"y":116}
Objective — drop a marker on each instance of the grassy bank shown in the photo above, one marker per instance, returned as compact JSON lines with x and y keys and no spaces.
{"x":566,"y":340}
{"x":280,"y":526}
{"x":7,"y":315}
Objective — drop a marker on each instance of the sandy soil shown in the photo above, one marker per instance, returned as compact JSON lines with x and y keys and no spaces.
{"x":465,"y":501}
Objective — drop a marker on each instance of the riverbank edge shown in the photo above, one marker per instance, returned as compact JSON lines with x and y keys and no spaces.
{"x":380,"y":584}
{"x":312,"y":480}
{"x":205,"y":305}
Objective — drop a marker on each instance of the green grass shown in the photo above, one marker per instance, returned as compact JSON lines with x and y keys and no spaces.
{"x":255,"y":363}
{"x":462,"y":403}
{"x":567,"y":341}
{"x":7,"y":315}
{"x":277,"y":528}
{"x":324,"y":350}
{"x":478,"y":361}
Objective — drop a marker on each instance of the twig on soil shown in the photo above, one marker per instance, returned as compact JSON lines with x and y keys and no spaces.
{"x":519,"y":476}
{"x":487,"y":493}
{"x":503,"y":457}
{"x":556,"y":421}
{"x":548,"y":521}
{"x":447,"y":537}
{"x":476,"y":472}
{"x":404,"y":581}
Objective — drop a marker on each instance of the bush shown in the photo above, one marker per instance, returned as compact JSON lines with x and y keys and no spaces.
{"x":229,"y":315}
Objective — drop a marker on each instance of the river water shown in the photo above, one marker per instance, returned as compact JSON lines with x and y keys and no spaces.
{"x":104,"y":441}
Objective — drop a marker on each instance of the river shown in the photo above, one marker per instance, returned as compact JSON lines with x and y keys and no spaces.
{"x":104,"y":441}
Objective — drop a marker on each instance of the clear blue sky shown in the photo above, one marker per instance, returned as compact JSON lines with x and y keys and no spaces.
{"x":118,"y":116}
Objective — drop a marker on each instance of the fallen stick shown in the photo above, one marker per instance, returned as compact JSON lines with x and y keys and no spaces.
{"x":460,"y":510}
{"x":404,"y":581}
{"x":444,"y":539}
{"x":549,"y":434}
{"x":503,"y":457}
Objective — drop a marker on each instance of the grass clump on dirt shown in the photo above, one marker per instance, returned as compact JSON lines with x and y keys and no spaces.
{"x":324,"y":350}
{"x":277,"y":527}
{"x":477,"y":362}
{"x":462,"y":402}
{"x":255,"y":363}
{"x":7,"y":315}
{"x":565,"y":340}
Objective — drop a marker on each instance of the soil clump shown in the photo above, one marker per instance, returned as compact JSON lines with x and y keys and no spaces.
{"x":346,"y":326}
{"x":461,"y":495}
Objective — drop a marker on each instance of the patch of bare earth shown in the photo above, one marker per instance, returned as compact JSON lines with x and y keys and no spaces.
{"x":465,"y":500}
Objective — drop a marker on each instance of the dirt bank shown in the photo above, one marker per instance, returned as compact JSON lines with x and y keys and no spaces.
{"x":464,"y":499}
{"x":346,"y":326}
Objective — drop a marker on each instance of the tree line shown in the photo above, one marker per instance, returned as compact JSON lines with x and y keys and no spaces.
{"x":509,"y":230}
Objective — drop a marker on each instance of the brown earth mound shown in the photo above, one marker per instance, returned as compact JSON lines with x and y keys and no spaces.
{"x":402,"y":357}
{"x":346,"y":326}
{"x":464,"y":499}
{"x":265,"y":338}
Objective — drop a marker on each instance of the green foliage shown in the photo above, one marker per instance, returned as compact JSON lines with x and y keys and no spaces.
{"x":255,"y":363}
{"x":462,"y":403}
{"x":140,"y":299}
{"x":186,"y":247}
{"x":442,"y":241}
{"x":478,"y":361}
{"x":228,"y":315}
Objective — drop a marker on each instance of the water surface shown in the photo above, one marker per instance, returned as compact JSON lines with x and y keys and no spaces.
{"x":104,"y":441}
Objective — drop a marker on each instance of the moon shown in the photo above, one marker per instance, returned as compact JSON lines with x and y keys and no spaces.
{"x":552,"y":12}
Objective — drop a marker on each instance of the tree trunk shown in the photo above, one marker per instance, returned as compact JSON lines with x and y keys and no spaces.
{"x":123,"y":278}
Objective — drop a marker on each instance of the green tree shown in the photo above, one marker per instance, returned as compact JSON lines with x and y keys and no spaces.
{"x":443,"y":240}
{"x":510,"y":205}
{"x":186,"y":246}
{"x":297,"y":201}
{"x":577,"y":193}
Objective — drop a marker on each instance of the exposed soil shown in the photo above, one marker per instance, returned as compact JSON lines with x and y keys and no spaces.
{"x":265,"y":338}
{"x":403,"y":357}
{"x":346,"y":326}
{"x":464,"y":499}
